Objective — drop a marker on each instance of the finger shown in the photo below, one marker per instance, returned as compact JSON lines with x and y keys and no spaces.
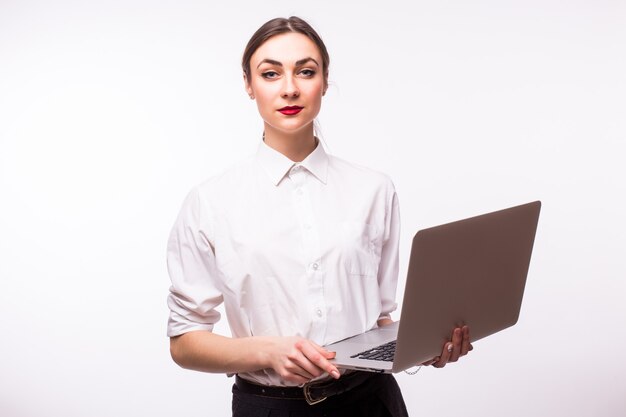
{"x":430,"y":362}
{"x":457,"y":339}
{"x":298,"y":364}
{"x":465,"y":346}
{"x":290,"y":376}
{"x":323,"y":362}
{"x":328,"y":354}
{"x":292,"y":371}
{"x":303,"y":358}
{"x":316,"y":361}
{"x":331,"y":369}
{"x":445,"y":355}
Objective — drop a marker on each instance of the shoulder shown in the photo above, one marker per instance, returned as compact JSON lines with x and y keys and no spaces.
{"x":354,"y":172}
{"x":210,"y":193}
{"x":227,"y":179}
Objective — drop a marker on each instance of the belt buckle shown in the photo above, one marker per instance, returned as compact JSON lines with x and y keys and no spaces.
{"x":307,"y":395}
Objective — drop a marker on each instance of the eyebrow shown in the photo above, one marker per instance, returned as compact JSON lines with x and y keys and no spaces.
{"x":278,"y":63}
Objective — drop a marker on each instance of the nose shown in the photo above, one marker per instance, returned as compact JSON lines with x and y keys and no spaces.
{"x":290,"y":87}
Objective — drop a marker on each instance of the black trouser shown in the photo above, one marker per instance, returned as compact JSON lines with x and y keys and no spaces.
{"x":379,"y":396}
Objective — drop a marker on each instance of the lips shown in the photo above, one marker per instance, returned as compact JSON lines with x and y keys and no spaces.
{"x":290,"y":110}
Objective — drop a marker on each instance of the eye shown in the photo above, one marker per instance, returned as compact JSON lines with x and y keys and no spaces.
{"x":269,"y":74}
{"x":308,"y":72}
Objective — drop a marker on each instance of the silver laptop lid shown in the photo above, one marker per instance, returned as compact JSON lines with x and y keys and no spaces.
{"x":472,"y":272}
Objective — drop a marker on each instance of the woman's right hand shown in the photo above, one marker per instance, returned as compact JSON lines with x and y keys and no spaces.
{"x":299,"y":360}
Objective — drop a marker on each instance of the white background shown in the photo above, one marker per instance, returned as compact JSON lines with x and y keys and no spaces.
{"x":111,"y":111}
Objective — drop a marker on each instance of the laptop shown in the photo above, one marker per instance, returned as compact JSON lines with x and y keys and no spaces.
{"x":469,"y":272}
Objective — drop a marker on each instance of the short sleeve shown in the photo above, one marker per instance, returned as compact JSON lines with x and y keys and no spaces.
{"x":388,"y":268}
{"x":195,"y":290}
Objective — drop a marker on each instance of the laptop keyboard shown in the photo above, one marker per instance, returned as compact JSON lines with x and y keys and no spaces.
{"x":384,"y":352}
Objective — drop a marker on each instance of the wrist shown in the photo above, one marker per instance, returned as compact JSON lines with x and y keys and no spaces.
{"x":260,"y":348}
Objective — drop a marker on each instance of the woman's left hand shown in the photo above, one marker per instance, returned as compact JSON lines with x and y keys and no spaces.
{"x":452,"y":351}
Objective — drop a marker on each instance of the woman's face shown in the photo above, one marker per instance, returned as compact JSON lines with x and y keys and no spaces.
{"x":287,"y":82}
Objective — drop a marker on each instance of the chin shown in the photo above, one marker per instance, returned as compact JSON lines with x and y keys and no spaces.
{"x":292,"y":128}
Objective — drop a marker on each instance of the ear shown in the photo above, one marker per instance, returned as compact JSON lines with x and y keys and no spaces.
{"x":247,"y":86}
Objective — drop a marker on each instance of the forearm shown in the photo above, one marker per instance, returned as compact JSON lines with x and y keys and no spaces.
{"x":209,"y":352}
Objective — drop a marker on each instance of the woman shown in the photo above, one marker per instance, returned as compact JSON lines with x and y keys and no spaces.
{"x":301,"y":247}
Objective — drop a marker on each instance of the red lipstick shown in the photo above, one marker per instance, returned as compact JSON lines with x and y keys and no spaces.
{"x":290,"y":110}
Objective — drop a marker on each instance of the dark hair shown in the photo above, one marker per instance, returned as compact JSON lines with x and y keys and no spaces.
{"x":278,"y":26}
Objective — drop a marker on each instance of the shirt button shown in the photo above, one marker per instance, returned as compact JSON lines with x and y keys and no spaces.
{"x":319,"y":312}
{"x":315,"y":265}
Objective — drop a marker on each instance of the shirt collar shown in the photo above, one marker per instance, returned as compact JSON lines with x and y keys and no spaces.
{"x":276,"y":165}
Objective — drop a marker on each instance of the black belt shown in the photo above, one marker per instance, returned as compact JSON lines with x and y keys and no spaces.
{"x":312,"y":392}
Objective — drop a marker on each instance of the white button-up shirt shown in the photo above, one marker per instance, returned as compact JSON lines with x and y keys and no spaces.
{"x":307,"y":249}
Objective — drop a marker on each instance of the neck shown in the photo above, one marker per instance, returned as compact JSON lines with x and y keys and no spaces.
{"x":295,"y":146}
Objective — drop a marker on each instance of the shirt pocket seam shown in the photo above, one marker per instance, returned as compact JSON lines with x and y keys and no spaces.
{"x":361,"y":242}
